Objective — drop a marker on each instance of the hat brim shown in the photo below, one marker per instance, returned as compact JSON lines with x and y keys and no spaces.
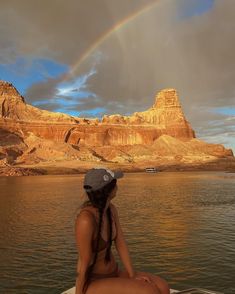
{"x":118,"y":174}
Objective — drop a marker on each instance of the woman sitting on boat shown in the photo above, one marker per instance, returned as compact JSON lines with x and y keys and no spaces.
{"x":97,"y":226}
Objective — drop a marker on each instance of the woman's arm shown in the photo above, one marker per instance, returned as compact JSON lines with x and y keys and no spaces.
{"x":121,"y":245}
{"x":84,"y":232}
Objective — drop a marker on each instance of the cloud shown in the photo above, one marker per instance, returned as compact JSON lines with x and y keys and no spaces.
{"x":61,"y":95}
{"x":44,"y":90}
{"x":23,"y":72}
{"x":58,"y":30}
{"x":74,"y":87}
{"x":155,"y":50}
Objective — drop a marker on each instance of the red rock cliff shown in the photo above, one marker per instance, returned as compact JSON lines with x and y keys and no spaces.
{"x":165,"y":117}
{"x":31,"y":134}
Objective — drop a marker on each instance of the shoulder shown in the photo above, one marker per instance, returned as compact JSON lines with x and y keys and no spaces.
{"x":85,"y":219}
{"x":84,"y":228}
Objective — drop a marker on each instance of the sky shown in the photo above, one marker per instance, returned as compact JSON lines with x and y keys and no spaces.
{"x":89,"y":58}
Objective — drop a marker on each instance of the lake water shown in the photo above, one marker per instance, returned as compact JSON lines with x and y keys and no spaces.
{"x":180,"y":226}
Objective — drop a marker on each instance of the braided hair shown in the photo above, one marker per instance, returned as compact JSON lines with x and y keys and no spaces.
{"x":99,"y":199}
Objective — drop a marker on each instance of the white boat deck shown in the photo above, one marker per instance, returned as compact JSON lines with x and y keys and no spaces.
{"x":189,"y":291}
{"x":72,"y":291}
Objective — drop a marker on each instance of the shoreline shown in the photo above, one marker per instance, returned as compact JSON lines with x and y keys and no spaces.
{"x":81,"y":167}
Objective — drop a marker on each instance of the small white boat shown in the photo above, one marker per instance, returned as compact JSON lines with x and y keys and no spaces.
{"x":151,"y":170}
{"x":189,"y":291}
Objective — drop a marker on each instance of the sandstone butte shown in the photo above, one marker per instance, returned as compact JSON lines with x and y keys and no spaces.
{"x":38,"y":141}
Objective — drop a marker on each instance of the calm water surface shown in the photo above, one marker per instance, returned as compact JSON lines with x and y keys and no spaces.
{"x":177,"y":225}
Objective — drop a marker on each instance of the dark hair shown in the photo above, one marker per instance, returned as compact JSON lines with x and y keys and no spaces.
{"x":98,"y":199}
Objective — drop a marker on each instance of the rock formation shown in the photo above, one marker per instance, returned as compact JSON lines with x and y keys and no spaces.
{"x":165,"y":115}
{"x":31,"y":135}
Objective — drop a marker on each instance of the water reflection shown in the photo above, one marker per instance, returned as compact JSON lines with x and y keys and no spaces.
{"x":178,"y":225}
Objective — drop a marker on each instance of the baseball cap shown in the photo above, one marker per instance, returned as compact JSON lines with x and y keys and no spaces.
{"x":98,"y":177}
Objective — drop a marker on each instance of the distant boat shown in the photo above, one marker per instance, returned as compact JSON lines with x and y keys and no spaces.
{"x":151,"y":170}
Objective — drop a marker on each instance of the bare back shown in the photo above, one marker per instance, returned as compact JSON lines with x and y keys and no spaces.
{"x":100,"y":266}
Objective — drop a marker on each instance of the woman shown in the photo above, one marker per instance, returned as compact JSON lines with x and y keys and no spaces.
{"x":97,"y":226}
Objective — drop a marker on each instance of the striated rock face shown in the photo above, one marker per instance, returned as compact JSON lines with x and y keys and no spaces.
{"x":165,"y":115}
{"x":31,"y":135}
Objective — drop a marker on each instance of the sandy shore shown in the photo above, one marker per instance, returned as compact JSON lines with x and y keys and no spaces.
{"x":76,"y":167}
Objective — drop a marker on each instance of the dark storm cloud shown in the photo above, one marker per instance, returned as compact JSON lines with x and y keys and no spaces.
{"x":195,"y":56}
{"x":153,"y":51}
{"x":58,"y":29}
{"x":150,"y":53}
{"x":43,"y":91}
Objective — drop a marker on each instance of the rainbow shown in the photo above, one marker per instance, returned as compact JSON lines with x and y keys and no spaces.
{"x":107,"y":34}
